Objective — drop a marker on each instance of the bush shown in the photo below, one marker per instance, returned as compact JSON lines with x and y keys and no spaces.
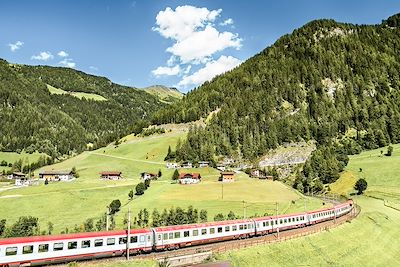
{"x":140,"y":188}
{"x":361,"y":185}
{"x":114,"y":206}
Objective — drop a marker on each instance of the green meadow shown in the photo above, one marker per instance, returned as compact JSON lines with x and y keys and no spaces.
{"x":56,"y":91}
{"x":372,"y":239}
{"x":11,"y":157}
{"x":67,"y":204}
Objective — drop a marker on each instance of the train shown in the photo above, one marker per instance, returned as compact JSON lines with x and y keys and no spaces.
{"x":44,"y":250}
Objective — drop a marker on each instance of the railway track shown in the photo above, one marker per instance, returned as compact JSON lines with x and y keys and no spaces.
{"x":224,"y":246}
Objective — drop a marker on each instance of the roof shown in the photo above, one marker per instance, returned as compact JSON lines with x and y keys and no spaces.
{"x":192,"y":175}
{"x":18,"y":173}
{"x":46,"y":238}
{"x":111,"y":173}
{"x":204,"y":162}
{"x":55,"y":172}
{"x":199,"y":225}
{"x":227,"y":173}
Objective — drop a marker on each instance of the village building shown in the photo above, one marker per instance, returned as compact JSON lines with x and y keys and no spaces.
{"x":16,"y":175}
{"x":227,"y":176}
{"x":111,"y":175}
{"x":187,"y":165}
{"x":203,"y":164}
{"x":56,"y":175}
{"x":221,"y":167}
{"x":257,"y":174}
{"x":172,"y":165}
{"x":148,"y":176}
{"x":189,"y":178}
{"x":22,"y":181}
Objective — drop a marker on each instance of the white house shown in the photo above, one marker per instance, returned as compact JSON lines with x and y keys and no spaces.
{"x":148,"y":176}
{"x":172,"y":165}
{"x":203,"y":164}
{"x":186,"y":164}
{"x":56,"y":175}
{"x":189,"y":178}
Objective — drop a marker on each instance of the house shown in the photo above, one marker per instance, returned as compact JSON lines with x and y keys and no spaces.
{"x":227,"y":176}
{"x":221,"y":167}
{"x":203,"y":164}
{"x":22,"y":181}
{"x":16,"y":175}
{"x":110,"y":175}
{"x":257,"y":174}
{"x":56,"y":175}
{"x":189,"y":178}
{"x":172,"y":165}
{"x":186,"y":164}
{"x":148,"y":176}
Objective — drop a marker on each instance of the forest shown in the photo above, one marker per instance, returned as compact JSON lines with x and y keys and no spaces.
{"x":335,"y":83}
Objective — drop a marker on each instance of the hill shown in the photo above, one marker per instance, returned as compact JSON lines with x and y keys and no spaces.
{"x":59,"y":111}
{"x":369,"y":240}
{"x":166,"y":94}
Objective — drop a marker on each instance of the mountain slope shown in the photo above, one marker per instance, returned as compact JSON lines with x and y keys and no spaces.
{"x":323,"y":81}
{"x":34,"y":118}
{"x":165,"y":94}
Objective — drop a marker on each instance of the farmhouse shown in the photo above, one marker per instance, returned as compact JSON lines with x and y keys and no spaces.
{"x":148,"y":176}
{"x":189,"y":178}
{"x":56,"y":175}
{"x":110,"y":175}
{"x":172,"y":165}
{"x":227,"y":176}
{"x":203,"y":164}
{"x":16,"y":175}
{"x":22,"y":181}
{"x":186,"y":164}
{"x":257,"y":174}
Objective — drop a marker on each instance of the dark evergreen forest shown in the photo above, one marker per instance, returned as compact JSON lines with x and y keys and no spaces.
{"x":322,"y":82}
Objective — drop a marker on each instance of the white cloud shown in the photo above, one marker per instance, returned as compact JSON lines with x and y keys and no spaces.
{"x":171,"y":61}
{"x":227,"y":22}
{"x":67,"y":62}
{"x":44,"y":56}
{"x":93,"y":68}
{"x":182,"y":22}
{"x":62,"y":54}
{"x":187,"y":70}
{"x":160,"y":71}
{"x":210,"y":70}
{"x":16,"y":46}
{"x":203,"y":44}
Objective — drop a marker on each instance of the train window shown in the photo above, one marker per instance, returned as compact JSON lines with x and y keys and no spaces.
{"x":196,"y":232}
{"x":123,"y":240}
{"x":241,"y":227}
{"x":72,"y":245}
{"x":219,"y":229}
{"x":280,"y":221}
{"x":227,"y":228}
{"x":110,"y":241}
{"x":177,"y":234}
{"x":212,"y":230}
{"x":165,"y":236}
{"x":245,"y":227}
{"x":186,"y":234}
{"x":203,"y":231}
{"x":290,"y":219}
{"x":58,"y":246}
{"x":171,"y":235}
{"x":276,"y":221}
{"x":272,"y":223}
{"x":285,"y":220}
{"x":43,"y":247}
{"x":11,"y":251}
{"x":134,"y":239}
{"x":234,"y":228}
{"x":86,"y":244}
{"x":98,"y":242}
{"x":141,"y":239}
{"x":250,"y":226}
{"x":148,"y":238}
{"x":264,"y":224}
{"x":27,"y":249}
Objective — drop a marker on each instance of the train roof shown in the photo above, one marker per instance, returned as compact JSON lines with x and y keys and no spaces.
{"x":199,"y":225}
{"x":46,"y":238}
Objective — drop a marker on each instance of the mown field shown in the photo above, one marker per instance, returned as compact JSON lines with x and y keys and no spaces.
{"x":370,"y":240}
{"x":11,"y":157}
{"x":67,"y":204}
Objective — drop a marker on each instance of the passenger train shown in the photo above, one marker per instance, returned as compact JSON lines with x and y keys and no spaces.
{"x":41,"y":250}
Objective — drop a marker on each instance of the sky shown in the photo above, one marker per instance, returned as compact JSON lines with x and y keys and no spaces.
{"x":174,"y":43}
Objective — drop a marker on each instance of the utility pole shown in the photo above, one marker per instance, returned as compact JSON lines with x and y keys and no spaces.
{"x":107,"y":219}
{"x":244,"y":210}
{"x":129,"y":234}
{"x":277,"y":225}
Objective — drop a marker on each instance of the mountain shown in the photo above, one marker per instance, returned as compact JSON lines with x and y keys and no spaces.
{"x":325,"y":81}
{"x":165,"y":94}
{"x":60,"y":110}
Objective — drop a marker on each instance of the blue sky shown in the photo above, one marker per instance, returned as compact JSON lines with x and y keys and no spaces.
{"x":175,"y":43}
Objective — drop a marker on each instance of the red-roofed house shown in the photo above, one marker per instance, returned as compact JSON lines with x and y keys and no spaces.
{"x":148,"y":176}
{"x":189,"y":178}
{"x":111,"y":175}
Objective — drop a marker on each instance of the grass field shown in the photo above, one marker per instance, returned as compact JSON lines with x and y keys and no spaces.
{"x":370,"y":240}
{"x":68,"y":203}
{"x":11,"y":157}
{"x":80,"y":95}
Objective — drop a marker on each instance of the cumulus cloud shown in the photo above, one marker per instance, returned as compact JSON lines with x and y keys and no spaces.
{"x":210,"y":70}
{"x":16,"y":46}
{"x":62,"y":54}
{"x":44,"y":56}
{"x":166,"y":71}
{"x":227,"y":22}
{"x":67,"y":62}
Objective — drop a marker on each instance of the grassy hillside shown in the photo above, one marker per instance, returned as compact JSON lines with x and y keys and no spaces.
{"x":165,"y":94}
{"x":11,"y":157}
{"x":369,"y":240}
{"x":68,"y":203}
{"x":80,"y":95}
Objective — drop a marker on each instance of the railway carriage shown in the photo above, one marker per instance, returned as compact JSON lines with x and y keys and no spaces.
{"x":41,"y":250}
{"x":265,"y":225}
{"x":169,"y":237}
